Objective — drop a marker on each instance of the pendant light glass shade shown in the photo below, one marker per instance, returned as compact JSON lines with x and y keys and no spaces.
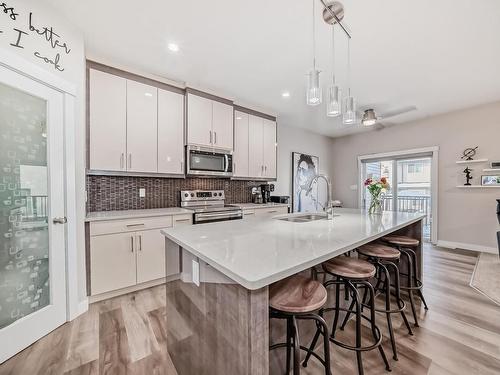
{"x":334,"y":104}
{"x":349,"y":111}
{"x":313,"y":95}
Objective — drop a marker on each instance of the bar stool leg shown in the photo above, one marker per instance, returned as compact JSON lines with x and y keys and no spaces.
{"x":415,"y":275}
{"x":387,"y":286}
{"x":410,"y":284}
{"x":296,"y":348}
{"x":397,"y":283}
{"x":358,"y":333}
{"x":337,"y":303}
{"x":289,"y":344}
{"x":376,"y":334}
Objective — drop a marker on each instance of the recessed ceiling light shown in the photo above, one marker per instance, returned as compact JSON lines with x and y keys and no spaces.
{"x":173,"y":47}
{"x":285,"y":94}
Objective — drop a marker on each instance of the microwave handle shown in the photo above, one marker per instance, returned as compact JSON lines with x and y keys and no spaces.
{"x":226,"y":163}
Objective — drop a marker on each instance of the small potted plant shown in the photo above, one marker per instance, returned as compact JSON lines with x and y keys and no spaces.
{"x":377,"y":188}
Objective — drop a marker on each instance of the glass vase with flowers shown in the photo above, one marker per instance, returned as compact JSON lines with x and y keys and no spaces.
{"x":377,"y":189}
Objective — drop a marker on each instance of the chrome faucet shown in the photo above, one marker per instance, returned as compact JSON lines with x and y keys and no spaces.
{"x":328,"y":208}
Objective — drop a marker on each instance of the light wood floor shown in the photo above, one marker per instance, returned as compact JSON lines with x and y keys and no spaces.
{"x":460,"y":334}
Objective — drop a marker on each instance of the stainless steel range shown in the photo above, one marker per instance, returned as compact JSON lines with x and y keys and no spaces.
{"x":209,"y":206}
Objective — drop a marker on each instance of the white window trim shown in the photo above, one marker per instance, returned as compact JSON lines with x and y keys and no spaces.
{"x":434,"y":150}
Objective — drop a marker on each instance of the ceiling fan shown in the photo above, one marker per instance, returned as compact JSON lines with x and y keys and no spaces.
{"x":370,"y":118}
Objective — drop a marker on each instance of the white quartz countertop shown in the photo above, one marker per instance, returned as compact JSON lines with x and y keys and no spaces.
{"x":260,"y":205}
{"x":127,"y":214}
{"x":258,"y":251}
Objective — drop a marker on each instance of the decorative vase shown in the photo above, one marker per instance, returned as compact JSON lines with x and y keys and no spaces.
{"x":376,"y":205}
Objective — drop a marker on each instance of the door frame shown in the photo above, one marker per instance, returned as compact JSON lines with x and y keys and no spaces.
{"x":19,"y":65}
{"x":434,"y":150}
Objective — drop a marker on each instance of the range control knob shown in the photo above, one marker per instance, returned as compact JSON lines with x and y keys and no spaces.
{"x":220,"y":194}
{"x":186,"y":194}
{"x":192,"y":194}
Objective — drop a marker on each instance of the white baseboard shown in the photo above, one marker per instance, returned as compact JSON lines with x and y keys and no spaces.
{"x":467,"y":246}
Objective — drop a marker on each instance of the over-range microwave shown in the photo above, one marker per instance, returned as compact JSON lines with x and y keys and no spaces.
{"x":208,"y":161}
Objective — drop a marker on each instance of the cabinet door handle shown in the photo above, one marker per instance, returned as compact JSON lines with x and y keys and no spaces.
{"x":140,"y":243}
{"x":135,"y":225}
{"x":182,"y":220}
{"x":122,"y":160}
{"x":215,"y":137}
{"x":129,"y":161}
{"x":210,"y":137}
{"x":234,"y":167}
{"x":132,"y":244}
{"x":182,"y":166}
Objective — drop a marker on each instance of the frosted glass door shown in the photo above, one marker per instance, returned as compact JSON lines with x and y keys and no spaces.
{"x":32,"y":253}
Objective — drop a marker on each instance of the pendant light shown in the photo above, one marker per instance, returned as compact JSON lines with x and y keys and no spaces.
{"x":349,"y":117}
{"x":313,"y":94}
{"x":334,"y":104}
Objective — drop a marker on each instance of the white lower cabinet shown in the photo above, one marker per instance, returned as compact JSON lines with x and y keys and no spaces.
{"x":125,"y":253}
{"x":112,"y":262}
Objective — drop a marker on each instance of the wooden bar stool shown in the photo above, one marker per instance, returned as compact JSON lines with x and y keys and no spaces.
{"x":384,"y":258}
{"x":405,"y":244}
{"x":296,"y":298}
{"x":354,"y":274}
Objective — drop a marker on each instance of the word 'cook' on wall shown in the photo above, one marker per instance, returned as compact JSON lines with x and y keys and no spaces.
{"x":26,"y":27}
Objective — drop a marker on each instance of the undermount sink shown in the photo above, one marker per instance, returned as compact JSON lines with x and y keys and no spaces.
{"x":303,"y":218}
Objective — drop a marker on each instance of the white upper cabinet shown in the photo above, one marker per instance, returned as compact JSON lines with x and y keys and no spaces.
{"x":108,"y":121}
{"x":209,"y":123}
{"x":255,"y":146}
{"x":135,"y":127}
{"x":222,"y":125}
{"x":142,"y":120}
{"x":199,"y":116}
{"x":240,"y":155}
{"x":170,"y":132}
{"x":269,"y":148}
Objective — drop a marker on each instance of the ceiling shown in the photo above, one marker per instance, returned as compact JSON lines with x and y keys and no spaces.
{"x":437,"y":55}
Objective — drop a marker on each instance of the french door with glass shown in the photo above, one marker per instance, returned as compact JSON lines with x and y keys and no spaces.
{"x":32,"y":212}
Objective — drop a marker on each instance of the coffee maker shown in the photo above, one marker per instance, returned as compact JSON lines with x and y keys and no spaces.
{"x":266,"y":190}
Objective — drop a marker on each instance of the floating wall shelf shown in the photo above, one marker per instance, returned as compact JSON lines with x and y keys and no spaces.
{"x":475,"y":161}
{"x":494,"y":170}
{"x":478,"y":186}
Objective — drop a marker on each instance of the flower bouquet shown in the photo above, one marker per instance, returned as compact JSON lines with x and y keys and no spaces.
{"x":376,"y":187}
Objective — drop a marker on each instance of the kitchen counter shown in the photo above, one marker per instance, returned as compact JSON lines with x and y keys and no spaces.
{"x":219,"y":309}
{"x":130,"y":214}
{"x":257,"y":252}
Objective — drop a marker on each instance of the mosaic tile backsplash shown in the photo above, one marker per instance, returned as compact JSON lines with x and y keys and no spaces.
{"x":109,"y":193}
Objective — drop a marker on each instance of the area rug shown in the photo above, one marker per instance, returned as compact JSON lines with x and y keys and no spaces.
{"x":486,"y":276}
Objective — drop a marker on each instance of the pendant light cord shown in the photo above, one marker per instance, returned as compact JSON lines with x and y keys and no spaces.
{"x":349,"y":65}
{"x":314,"y":34}
{"x":333,"y":54}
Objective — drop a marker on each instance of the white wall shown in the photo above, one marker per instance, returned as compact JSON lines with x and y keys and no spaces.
{"x":73,"y":71}
{"x":466,"y":217}
{"x":292,"y":139}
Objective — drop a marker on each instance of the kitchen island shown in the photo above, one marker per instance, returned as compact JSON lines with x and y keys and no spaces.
{"x":217,"y":313}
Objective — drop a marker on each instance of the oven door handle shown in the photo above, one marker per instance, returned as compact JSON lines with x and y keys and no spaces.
{"x":218,"y":215}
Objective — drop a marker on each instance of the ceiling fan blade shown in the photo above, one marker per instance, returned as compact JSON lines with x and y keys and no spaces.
{"x":398,"y":112}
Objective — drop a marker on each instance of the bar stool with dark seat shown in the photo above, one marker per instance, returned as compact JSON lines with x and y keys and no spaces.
{"x":405,"y":245}
{"x":296,"y":298}
{"x":354,"y":274}
{"x":384,"y":258}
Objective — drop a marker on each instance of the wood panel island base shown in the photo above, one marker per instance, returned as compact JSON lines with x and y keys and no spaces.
{"x":218,"y":318}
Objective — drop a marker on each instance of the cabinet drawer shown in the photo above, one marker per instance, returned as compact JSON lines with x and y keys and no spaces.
{"x":180,"y":220}
{"x":129,"y":225}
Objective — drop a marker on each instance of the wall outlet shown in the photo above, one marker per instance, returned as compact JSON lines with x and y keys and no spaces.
{"x":353,"y":187}
{"x":142,"y":193}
